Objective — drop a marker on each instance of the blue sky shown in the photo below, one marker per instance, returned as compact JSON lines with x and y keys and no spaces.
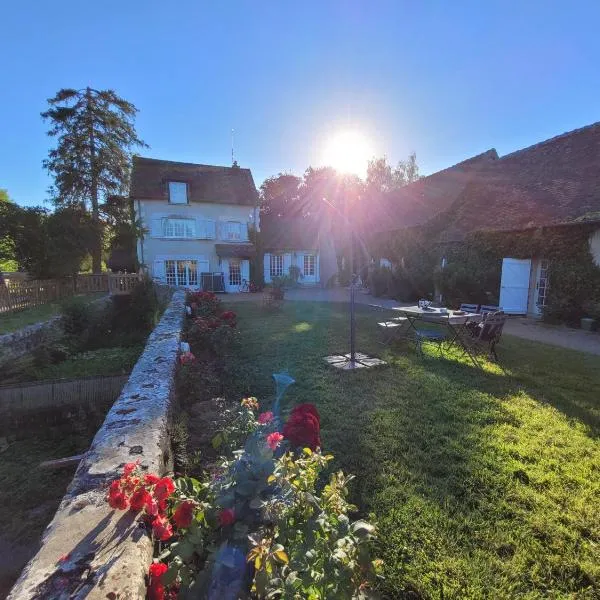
{"x":444,"y":79}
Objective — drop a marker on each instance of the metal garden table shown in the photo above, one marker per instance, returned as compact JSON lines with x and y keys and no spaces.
{"x":456,"y":324}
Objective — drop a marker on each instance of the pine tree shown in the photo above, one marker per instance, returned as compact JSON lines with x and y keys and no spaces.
{"x":95,"y":136}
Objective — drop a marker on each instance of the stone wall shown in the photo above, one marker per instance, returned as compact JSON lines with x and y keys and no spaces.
{"x":107,"y":551}
{"x":18,"y":343}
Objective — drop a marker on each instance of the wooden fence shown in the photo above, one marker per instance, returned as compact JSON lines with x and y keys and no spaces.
{"x":17,"y":294}
{"x":45,"y":402}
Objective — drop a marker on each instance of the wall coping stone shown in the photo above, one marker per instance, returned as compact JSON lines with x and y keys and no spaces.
{"x":108,"y":552}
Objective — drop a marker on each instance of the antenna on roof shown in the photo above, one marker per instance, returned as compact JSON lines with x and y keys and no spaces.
{"x":233,"y":163}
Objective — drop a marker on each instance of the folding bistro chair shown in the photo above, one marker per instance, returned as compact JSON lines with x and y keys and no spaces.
{"x":393,"y":328}
{"x":490,"y":332}
{"x":487,"y":309}
{"x":469,"y":308}
{"x":429,"y":336}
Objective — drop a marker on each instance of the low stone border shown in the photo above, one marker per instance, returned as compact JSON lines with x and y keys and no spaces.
{"x":17,"y":343}
{"x":106,"y":554}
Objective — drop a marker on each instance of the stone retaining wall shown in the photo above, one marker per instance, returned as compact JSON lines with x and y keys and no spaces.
{"x":108,"y":553}
{"x":18,"y":343}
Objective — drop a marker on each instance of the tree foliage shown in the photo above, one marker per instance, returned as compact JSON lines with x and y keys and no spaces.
{"x":95,"y":136}
{"x":47,"y":244}
{"x":382,"y":177}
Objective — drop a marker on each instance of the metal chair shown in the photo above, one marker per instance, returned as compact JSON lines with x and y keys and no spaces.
{"x":490,"y":332}
{"x":470,"y":308}
{"x":431,"y":336}
{"x":486,"y":309}
{"x":392,"y":328}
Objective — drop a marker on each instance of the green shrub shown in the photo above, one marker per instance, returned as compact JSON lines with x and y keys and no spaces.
{"x":380,"y":281}
{"x":77,"y":315}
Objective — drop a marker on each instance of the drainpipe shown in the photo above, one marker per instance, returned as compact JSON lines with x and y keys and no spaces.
{"x":142,"y":261}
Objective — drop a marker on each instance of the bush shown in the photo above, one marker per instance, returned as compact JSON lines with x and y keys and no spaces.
{"x":203,"y":304}
{"x":77,"y":315}
{"x":379,"y":281}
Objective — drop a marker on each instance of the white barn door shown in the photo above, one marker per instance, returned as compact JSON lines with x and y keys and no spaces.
{"x":514,"y":285}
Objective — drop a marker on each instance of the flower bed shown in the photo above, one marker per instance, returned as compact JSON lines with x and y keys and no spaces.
{"x":261,"y":521}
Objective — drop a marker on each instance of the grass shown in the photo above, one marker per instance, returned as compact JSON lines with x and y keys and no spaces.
{"x":484,"y":485}
{"x":13,"y":321}
{"x":29,"y":496}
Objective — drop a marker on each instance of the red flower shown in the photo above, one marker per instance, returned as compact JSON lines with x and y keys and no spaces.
{"x":116,"y":498}
{"x":187,"y":358}
{"x":129,"y":468}
{"x":156,"y":590}
{"x":226,"y":517}
{"x":164,"y":488}
{"x":303,"y":427}
{"x":274,"y":439}
{"x":161,"y":528}
{"x":139,"y":499}
{"x":183,"y":515}
{"x":265,"y":417}
{"x":151,"y":506}
{"x":151,"y":479}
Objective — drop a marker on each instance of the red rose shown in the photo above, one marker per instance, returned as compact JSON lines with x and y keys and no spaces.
{"x":226,"y":517}
{"x":183,"y":515}
{"x":307,"y":408}
{"x":156,"y":590}
{"x":151,"y":479}
{"x":187,"y":358}
{"x":164,"y":488}
{"x":129,"y":468}
{"x":265,"y":417}
{"x":116,"y":497}
{"x":303,"y":427}
{"x":274,"y":439}
{"x":139,"y":499}
{"x":151,"y":506}
{"x":161,"y":528}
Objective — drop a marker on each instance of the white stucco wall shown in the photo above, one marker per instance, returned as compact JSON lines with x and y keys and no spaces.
{"x":155,"y":247}
{"x":595,"y":246}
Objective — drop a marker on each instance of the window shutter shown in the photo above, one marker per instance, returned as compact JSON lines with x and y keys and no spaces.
{"x":245,"y":270}
{"x":156,"y":229}
{"x":244,"y":234}
{"x":287,"y":263}
{"x":201,"y":229}
{"x":210,"y":228}
{"x":267,"y":267}
{"x":158,"y":271}
{"x":222,"y":230}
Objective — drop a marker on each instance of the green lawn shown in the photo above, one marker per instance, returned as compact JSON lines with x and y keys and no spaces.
{"x":484,"y":485}
{"x":13,"y":321}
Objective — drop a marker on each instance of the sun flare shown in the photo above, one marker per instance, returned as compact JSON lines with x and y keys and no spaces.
{"x":348,"y":152}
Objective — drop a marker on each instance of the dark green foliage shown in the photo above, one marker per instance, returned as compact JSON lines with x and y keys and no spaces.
{"x":47,"y":245}
{"x":77,"y":315}
{"x":380,"y":280}
{"x":95,"y":135}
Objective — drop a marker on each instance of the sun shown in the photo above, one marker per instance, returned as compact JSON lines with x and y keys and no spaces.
{"x":348,"y":152}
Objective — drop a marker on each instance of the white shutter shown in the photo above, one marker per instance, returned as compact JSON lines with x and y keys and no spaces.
{"x":210,"y":228}
{"x":201,"y":229}
{"x":244,"y":234}
{"x":222,"y":230}
{"x":300,"y":261}
{"x":287,"y":263}
{"x":225,"y":271}
{"x":245,"y":270}
{"x":158,"y":271}
{"x":156,"y":228}
{"x":267,"y":267}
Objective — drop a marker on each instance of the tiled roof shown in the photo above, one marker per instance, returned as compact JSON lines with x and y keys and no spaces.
{"x":281,"y":233}
{"x":418,"y":202}
{"x":206,"y":183}
{"x":553,"y":182}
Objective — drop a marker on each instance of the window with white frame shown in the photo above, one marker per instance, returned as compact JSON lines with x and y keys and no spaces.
{"x":178,"y":192}
{"x":233,"y":230}
{"x":179,"y":228}
{"x":309,"y":265}
{"x":181,"y":272}
{"x":276,"y":268}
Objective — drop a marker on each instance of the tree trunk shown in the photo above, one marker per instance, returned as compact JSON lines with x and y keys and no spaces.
{"x":97,"y":248}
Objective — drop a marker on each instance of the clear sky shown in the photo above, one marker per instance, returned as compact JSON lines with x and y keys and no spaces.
{"x":446,"y":79}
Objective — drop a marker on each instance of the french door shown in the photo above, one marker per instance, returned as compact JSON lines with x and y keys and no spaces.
{"x":182,"y":273}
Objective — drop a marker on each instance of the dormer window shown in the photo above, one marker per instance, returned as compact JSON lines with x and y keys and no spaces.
{"x":178,"y":192}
